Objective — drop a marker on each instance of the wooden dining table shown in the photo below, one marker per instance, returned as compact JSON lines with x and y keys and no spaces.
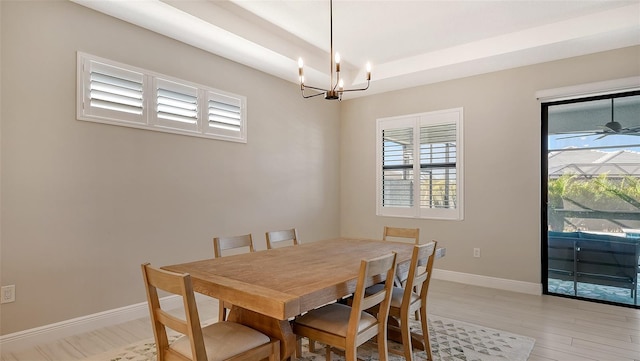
{"x":267,"y":288}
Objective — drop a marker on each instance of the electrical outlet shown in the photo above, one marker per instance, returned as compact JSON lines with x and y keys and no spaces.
{"x":440,"y":252}
{"x":8,"y":294}
{"x":476,"y":252}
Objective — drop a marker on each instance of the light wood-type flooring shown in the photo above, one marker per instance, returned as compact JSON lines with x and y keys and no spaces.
{"x":564,"y":329}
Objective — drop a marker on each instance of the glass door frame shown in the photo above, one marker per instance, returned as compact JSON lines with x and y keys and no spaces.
{"x":544,"y":158}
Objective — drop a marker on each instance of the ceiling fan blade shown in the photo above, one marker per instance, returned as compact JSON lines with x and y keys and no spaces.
{"x":574,"y":132}
{"x":636,"y":133}
{"x":579,"y":135}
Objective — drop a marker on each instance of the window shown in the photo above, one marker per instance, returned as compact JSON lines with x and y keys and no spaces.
{"x":176,"y":105}
{"x":113,"y":93}
{"x":225,"y":114}
{"x":419,"y":162}
{"x":118,"y":94}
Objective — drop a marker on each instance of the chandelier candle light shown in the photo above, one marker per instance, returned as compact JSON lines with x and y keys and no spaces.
{"x":336,"y":89}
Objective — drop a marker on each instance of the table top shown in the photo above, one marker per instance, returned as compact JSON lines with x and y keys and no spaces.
{"x":285,"y":282}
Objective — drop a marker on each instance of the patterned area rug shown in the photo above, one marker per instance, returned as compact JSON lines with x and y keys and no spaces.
{"x":451,"y":340}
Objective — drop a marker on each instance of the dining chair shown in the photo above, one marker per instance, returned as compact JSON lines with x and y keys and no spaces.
{"x":223,"y":246}
{"x":412,"y":298}
{"x":279,"y":238}
{"x":347,"y":327}
{"x":287,"y":235}
{"x":219,"y":341}
{"x":391,"y":233}
{"x":399,"y":234}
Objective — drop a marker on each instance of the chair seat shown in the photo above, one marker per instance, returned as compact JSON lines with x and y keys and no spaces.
{"x":396,"y":295}
{"x":229,"y":338}
{"x":334,"y":318}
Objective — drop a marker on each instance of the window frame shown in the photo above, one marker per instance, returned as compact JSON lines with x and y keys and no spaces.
{"x":148,"y":118}
{"x":416,"y":122}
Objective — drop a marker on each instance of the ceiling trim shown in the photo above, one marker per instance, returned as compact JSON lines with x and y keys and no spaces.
{"x":589,"y":89}
{"x":225,"y":29}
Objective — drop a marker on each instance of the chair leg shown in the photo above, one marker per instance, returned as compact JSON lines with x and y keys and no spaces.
{"x":425,"y":332}
{"x":383,"y":349}
{"x":351,"y":353}
{"x":328,"y":353}
{"x":405,"y":330}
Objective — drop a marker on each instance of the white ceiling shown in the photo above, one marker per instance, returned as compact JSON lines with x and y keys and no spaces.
{"x":408,"y":43}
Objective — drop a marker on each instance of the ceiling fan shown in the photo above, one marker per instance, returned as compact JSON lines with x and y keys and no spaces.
{"x":610,"y":128}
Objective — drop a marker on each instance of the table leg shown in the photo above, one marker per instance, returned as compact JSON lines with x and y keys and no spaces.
{"x":278,"y":329}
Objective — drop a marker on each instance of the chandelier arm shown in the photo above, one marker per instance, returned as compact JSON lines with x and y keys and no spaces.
{"x":354,"y":90}
{"x":337,"y":81}
{"x":315,"y":88}
{"x":310,"y":96}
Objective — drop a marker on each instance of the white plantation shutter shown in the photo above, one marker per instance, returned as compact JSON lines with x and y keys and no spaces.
{"x":438,"y":156}
{"x":113,"y":93}
{"x":119,"y":94}
{"x":176,"y":105}
{"x":420,"y":165}
{"x":226,"y":115}
{"x":397,"y":167}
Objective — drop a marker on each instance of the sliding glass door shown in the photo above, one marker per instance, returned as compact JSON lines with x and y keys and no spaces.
{"x":591,"y":198}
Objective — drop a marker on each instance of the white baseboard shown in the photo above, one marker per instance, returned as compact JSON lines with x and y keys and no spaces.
{"x":490,"y":282}
{"x":29,"y":338}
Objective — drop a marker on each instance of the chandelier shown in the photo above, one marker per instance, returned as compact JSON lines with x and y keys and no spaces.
{"x":336,"y":89}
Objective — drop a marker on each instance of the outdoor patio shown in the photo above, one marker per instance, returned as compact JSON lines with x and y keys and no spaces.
{"x":592,"y":291}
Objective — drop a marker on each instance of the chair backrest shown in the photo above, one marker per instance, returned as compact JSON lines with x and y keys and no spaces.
{"x":274,"y":237}
{"x":234,"y":245}
{"x":400,"y":234}
{"x":392,"y":233}
{"x":370,"y":270}
{"x":419,"y":272}
{"x":178,"y":284}
{"x":222,"y":244}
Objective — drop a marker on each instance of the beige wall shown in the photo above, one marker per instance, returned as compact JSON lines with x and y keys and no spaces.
{"x":501,"y":161}
{"x":84,"y":204}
